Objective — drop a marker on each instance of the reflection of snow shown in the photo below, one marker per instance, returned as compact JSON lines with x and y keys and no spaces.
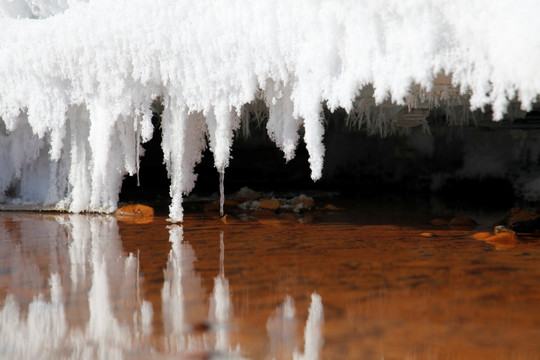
{"x":282,"y":326}
{"x":220,"y":303}
{"x":42,"y":332}
{"x":313,"y":340}
{"x":48,"y":330}
{"x":102,"y":314}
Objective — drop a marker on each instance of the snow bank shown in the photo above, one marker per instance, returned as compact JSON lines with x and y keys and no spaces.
{"x":78,"y":79}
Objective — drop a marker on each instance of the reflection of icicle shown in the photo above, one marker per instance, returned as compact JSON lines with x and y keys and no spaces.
{"x":281,"y":328}
{"x":313,"y":340}
{"x":172,"y":293}
{"x":44,"y":329}
{"x":221,"y":255}
{"x":78,"y":248}
{"x":220,"y":302}
{"x":47,"y":330}
{"x":103,"y":326}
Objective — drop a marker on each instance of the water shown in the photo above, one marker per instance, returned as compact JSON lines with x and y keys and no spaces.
{"x":89,"y":286}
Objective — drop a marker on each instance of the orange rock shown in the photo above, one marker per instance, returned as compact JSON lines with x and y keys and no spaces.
{"x":135,"y":213}
{"x":481,"y":235}
{"x":426,"y":234}
{"x":439,"y":222}
{"x":504,"y":240}
{"x":269,"y":204}
{"x":135,"y":210}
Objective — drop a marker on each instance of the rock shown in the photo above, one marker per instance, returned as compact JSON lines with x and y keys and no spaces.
{"x":462,"y":222}
{"x":504,"y":240}
{"x":439,"y":222}
{"x":266,"y":217}
{"x":135,"y":213}
{"x":269,"y":204}
{"x":245,"y":217}
{"x":303,"y":203}
{"x":135,"y":210}
{"x":305,"y":219}
{"x":426,"y":234}
{"x":331,"y":207}
{"x":263,"y":214}
{"x":481,"y":235}
{"x":247,"y":204}
{"x":520,"y":220}
{"x":499,"y":229}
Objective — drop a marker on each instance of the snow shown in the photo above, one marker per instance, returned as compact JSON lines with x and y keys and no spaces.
{"x":78,"y":80}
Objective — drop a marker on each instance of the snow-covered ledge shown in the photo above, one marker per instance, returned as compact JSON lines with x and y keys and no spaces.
{"x":78,"y":79}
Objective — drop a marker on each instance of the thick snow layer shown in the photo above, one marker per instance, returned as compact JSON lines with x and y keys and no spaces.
{"x":78,"y":79}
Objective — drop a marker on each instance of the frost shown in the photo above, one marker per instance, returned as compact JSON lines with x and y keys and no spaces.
{"x":78,"y":80}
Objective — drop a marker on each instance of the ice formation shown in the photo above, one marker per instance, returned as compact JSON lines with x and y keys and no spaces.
{"x":78,"y":80}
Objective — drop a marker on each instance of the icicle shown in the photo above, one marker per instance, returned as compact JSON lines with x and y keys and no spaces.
{"x":183,"y":142}
{"x":221,"y":192}
{"x":137,"y":152}
{"x":210,"y":59}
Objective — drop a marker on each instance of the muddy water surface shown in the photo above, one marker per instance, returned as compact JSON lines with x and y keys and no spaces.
{"x":87,"y":286}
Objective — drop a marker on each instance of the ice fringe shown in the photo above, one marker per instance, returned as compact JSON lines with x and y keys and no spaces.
{"x":78,"y":78}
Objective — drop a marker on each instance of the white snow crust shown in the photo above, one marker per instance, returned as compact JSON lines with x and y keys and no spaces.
{"x":78,"y":79}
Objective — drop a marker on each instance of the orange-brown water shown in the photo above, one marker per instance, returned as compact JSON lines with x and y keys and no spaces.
{"x":114,"y":289}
